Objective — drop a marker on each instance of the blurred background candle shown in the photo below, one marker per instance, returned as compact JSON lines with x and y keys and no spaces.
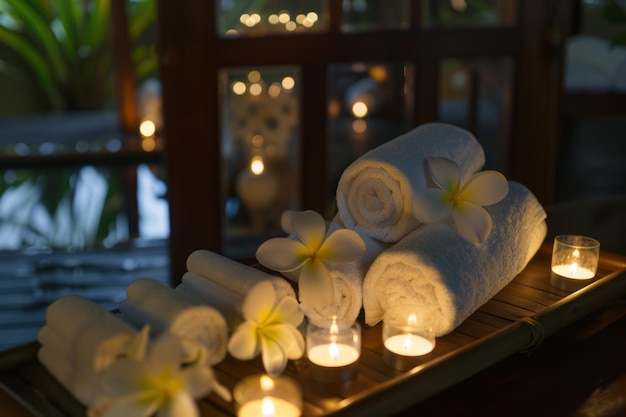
{"x":574,"y":261}
{"x":265,"y":396}
{"x":407,"y":337}
{"x":333,"y":351}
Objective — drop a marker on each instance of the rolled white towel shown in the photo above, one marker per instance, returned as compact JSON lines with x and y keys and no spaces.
{"x":374,"y":194}
{"x":81,"y":329}
{"x":449,"y":277}
{"x":202,"y":290}
{"x":234,"y":275}
{"x":202,"y":329}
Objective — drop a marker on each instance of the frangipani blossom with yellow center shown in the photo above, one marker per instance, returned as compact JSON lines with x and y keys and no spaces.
{"x":462,"y":201}
{"x":309,"y":253}
{"x":270,"y":328}
{"x":155,"y":384}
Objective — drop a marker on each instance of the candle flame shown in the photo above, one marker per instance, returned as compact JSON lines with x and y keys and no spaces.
{"x":333,"y":351}
{"x":572,"y":268}
{"x":267,"y":383}
{"x":406,"y":344}
{"x":267,"y":407}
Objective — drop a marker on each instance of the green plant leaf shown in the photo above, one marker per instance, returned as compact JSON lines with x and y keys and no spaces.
{"x":39,"y":66}
{"x":70,"y":16}
{"x":141,"y":18}
{"x":98,"y":23}
{"x":37,"y":27}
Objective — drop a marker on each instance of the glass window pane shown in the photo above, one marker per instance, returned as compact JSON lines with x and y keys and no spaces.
{"x":476,"y":94}
{"x":275,"y":17}
{"x":469,"y":13}
{"x":368,"y":15}
{"x":369,"y":104}
{"x":260,"y":143}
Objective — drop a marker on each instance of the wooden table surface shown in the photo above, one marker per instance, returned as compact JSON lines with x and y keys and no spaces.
{"x":533,"y":349}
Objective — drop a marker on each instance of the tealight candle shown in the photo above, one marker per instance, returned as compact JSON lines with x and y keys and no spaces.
{"x":266,"y":396}
{"x":407,"y":337}
{"x":574,"y":261}
{"x":333,"y":351}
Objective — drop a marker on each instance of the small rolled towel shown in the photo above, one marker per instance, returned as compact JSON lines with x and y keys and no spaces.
{"x":374,"y":194}
{"x":234,"y":275}
{"x":347,"y":279}
{"x":449,"y":277}
{"x":201,"y":328}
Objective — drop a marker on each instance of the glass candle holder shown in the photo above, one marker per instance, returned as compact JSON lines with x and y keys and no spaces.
{"x":263,"y":395}
{"x":408,"y":339}
{"x":333,"y":351}
{"x":574,"y":261}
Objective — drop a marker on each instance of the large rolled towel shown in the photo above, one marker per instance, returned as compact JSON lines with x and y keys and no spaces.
{"x":201,"y":328}
{"x":374,"y":194}
{"x":234,"y":275}
{"x":205,"y":291}
{"x":449,"y":277}
{"x":91,"y":335}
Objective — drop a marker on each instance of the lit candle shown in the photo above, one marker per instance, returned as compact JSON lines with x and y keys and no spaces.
{"x":268,"y":407}
{"x":405,"y":337}
{"x":265,"y":396}
{"x":333,"y":354}
{"x":333,"y":351}
{"x":575,"y":257}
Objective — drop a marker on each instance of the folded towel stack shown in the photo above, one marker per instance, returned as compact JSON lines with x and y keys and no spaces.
{"x":449,"y":277}
{"x":223,"y":283}
{"x":374,"y":194}
{"x":201,"y":328}
{"x":79,"y":340}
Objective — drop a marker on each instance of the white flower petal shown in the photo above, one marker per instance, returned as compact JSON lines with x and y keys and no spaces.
{"x":259,"y":302}
{"x":274,"y":358}
{"x":289,"y":338}
{"x":282,"y":254}
{"x":315,"y":285}
{"x":310,"y":227}
{"x":431,"y":205}
{"x":123,"y":377}
{"x":244,"y":344}
{"x":199,"y":379}
{"x":445,"y":173}
{"x":472,"y":221}
{"x":286,"y":311}
{"x":183,"y":405}
{"x":342,"y":245}
{"x":484,"y":188}
{"x":130,"y":406}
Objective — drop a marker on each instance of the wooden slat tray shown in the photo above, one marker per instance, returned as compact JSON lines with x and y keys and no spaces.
{"x":517,"y":319}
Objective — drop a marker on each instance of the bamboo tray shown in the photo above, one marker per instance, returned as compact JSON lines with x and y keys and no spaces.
{"x":517,"y":319}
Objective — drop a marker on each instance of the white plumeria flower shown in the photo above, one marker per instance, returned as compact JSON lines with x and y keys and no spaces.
{"x":155,"y":384}
{"x":310,"y":253}
{"x":461,"y":200}
{"x":270,"y":328}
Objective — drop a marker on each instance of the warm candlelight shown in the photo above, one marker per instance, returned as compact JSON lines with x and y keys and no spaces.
{"x":575,"y":257}
{"x":333,"y":351}
{"x":265,"y":396}
{"x":407,"y":337}
{"x":268,"y":407}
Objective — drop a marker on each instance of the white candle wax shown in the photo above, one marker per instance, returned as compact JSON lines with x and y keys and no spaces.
{"x":268,"y":407}
{"x":409,"y":345}
{"x":573,"y":271}
{"x":333,"y":354}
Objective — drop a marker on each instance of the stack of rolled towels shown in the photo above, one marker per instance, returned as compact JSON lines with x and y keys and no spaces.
{"x":432,"y":266}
